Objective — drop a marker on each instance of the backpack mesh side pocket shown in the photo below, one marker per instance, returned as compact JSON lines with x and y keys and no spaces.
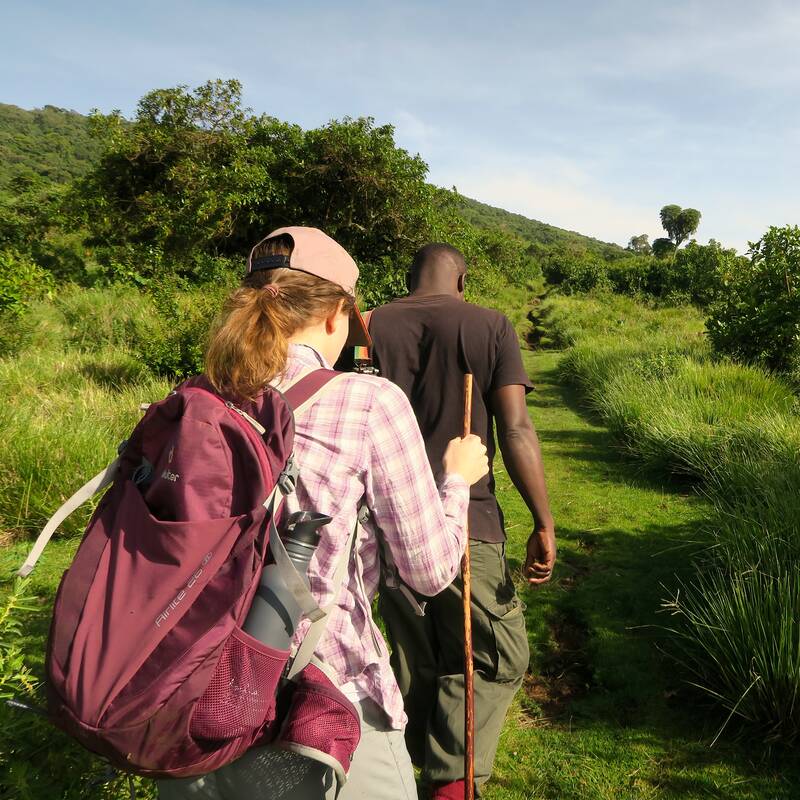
{"x":240,"y":698}
{"x":321,"y":722}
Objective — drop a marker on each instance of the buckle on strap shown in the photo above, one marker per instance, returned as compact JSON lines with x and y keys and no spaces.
{"x":287,"y":480}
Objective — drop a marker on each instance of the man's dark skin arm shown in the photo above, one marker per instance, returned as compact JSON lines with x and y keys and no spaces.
{"x":519,"y":445}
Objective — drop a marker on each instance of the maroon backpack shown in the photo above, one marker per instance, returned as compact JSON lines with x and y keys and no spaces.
{"x":147,"y":663}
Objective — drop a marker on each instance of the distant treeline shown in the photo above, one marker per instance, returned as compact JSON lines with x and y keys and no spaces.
{"x":195,"y":178}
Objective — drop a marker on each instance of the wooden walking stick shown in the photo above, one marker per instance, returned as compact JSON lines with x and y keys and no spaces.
{"x":466,"y":577}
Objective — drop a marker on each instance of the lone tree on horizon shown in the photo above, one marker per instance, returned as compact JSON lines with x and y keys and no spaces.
{"x":680,"y":224}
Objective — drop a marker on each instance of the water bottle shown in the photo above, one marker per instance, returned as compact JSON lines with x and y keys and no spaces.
{"x":274,"y":614}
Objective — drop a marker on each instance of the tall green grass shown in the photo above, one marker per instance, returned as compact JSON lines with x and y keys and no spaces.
{"x":70,"y":395}
{"x":734,"y":431}
{"x":576,"y":319}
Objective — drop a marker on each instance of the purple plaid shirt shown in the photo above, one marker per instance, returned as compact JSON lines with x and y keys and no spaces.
{"x":360,"y":442}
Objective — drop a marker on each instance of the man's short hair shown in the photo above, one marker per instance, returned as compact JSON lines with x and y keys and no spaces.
{"x":430,"y":254}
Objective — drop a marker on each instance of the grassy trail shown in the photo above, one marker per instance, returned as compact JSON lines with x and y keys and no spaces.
{"x":606,"y":715}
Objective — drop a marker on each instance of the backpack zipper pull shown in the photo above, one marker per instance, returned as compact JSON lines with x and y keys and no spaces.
{"x":244,"y":415}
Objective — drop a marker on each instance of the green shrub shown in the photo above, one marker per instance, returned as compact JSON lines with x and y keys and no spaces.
{"x":575,"y":271}
{"x":172,"y":341}
{"x":379,"y":282}
{"x":21,"y":282}
{"x":757,"y":317}
{"x":14,"y":333}
{"x":705,"y":267}
{"x":630,"y":275}
{"x":206,"y":269}
{"x":64,"y":255}
{"x":693,"y":274}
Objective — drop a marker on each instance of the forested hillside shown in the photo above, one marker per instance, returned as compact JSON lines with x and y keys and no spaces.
{"x":538,"y":233}
{"x":51,"y":143}
{"x":55,"y":144}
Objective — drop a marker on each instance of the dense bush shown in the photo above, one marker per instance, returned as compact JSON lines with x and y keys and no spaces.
{"x":172,"y":341}
{"x":757,"y":316}
{"x":693,"y":274}
{"x":574,"y":270}
{"x":21,"y":281}
{"x":196,"y":177}
{"x":699,"y":270}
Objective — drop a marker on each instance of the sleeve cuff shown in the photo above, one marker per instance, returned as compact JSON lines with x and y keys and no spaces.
{"x":454,"y":491}
{"x":453,"y":481}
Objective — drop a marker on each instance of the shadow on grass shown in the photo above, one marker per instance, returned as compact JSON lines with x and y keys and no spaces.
{"x":602,"y":671}
{"x":113,"y":376}
{"x":596,"y":445}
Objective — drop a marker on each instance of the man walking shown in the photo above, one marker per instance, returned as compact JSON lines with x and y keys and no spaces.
{"x":425,"y":343}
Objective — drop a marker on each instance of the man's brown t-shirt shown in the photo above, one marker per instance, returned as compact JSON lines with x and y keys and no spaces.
{"x":425,"y":345}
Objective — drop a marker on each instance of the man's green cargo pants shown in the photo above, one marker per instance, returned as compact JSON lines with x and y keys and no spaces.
{"x":428,"y":660}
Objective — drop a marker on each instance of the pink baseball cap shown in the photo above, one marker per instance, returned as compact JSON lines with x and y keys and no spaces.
{"x":317,"y":254}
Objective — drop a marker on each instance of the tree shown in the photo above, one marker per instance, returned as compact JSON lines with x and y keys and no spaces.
{"x":757,"y":315}
{"x":350,"y":179}
{"x":640,"y":245}
{"x":181,"y":177}
{"x":663,"y":247}
{"x":702,"y":268}
{"x":195,"y":172}
{"x":195,"y":179}
{"x":679,"y":223}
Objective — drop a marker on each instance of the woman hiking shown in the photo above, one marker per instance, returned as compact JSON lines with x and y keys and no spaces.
{"x":358,"y":445}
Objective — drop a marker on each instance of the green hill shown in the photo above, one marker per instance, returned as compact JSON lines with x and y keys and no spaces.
{"x":51,"y":143}
{"x":540,"y":233}
{"x":55,"y":144}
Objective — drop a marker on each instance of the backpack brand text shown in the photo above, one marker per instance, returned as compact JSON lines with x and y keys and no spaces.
{"x":176,"y":601}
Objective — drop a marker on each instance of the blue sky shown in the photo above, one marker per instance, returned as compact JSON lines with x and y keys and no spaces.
{"x":587,"y":115}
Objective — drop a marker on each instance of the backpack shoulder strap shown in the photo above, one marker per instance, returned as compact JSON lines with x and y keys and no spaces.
{"x":302,"y":394}
{"x":90,"y":488}
{"x":314,"y":633}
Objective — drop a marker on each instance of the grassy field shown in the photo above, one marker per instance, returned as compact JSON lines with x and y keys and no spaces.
{"x":605,"y":712}
{"x":733,"y":432}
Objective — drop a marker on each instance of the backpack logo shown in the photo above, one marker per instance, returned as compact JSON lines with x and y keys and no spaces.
{"x":170,"y":476}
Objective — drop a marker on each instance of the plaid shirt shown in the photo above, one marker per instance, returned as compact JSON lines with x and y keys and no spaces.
{"x":360,"y":442}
